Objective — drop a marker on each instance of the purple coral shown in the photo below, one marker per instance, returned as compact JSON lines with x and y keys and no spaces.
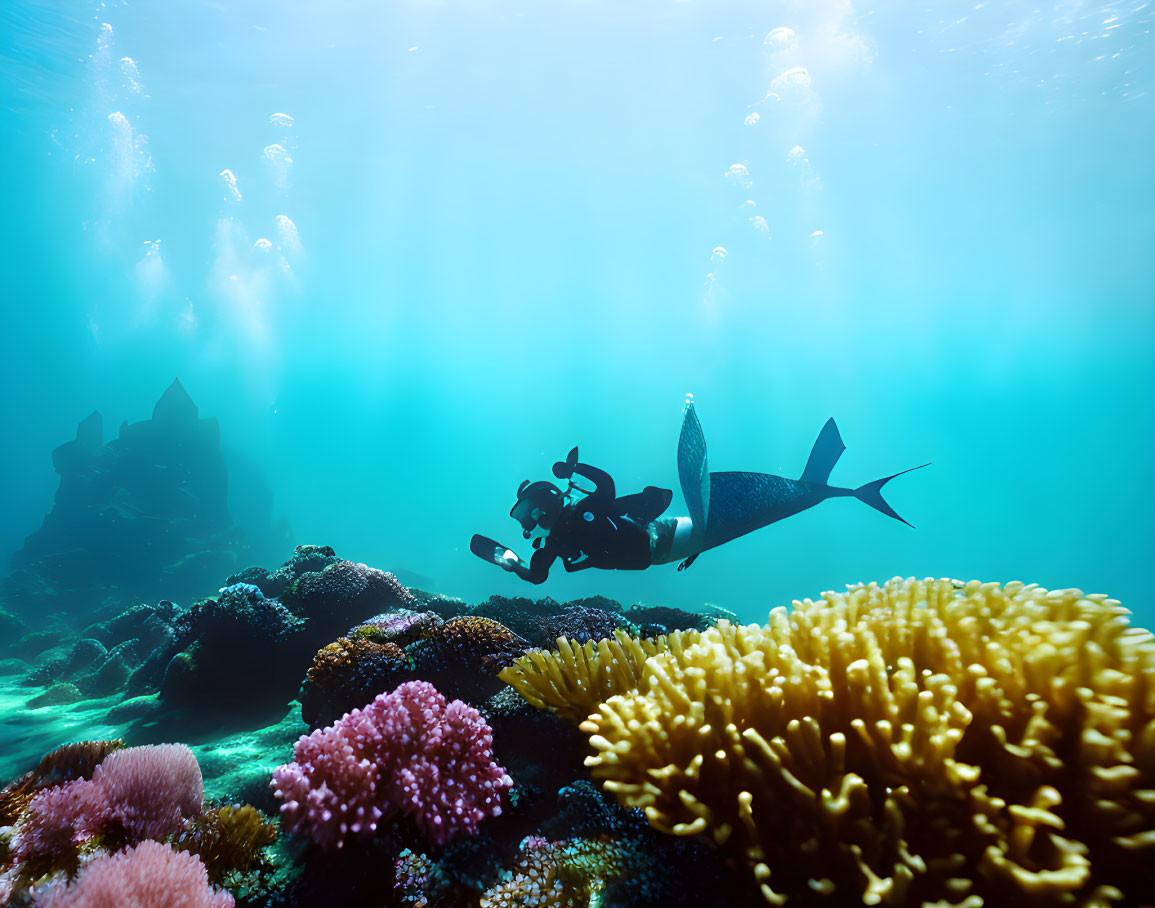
{"x":58,"y":818}
{"x":149,"y":790}
{"x":406,"y":753}
{"x":151,"y":875}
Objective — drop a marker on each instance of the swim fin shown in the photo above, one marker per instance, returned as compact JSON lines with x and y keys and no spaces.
{"x":693,"y":471}
{"x":489,"y":550}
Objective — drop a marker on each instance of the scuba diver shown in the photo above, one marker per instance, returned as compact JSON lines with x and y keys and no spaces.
{"x":594,"y":528}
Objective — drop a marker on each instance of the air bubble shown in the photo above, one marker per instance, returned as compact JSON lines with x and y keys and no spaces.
{"x":780,"y":39}
{"x":232,"y":194}
{"x":739,"y":174}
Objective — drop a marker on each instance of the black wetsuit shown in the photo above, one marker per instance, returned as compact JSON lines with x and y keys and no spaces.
{"x":601,"y":530}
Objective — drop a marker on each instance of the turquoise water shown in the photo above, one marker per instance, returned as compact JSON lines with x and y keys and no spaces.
{"x":509,"y":228}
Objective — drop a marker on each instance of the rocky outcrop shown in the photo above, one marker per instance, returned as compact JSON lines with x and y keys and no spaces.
{"x":143,"y":516}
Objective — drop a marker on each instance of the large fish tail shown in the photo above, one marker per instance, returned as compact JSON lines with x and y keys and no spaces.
{"x":871,"y":494}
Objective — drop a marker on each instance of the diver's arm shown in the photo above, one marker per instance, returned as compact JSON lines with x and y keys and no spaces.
{"x":539,"y":566}
{"x":603,"y":482}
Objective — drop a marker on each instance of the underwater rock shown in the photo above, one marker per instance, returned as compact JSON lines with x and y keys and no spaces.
{"x":56,"y":695}
{"x":34,"y":644}
{"x":11,"y":628}
{"x":143,"y":515}
{"x":146,"y":623}
{"x":236,"y":651}
{"x":84,"y":652}
{"x":134,"y":709}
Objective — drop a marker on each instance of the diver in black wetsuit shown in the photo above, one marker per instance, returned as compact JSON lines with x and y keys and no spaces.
{"x":596,"y":529}
{"x":593,"y":529}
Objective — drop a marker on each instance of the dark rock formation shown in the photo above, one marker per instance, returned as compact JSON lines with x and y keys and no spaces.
{"x":142,"y":517}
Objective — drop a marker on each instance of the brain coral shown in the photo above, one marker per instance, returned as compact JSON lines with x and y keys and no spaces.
{"x":919,"y":742}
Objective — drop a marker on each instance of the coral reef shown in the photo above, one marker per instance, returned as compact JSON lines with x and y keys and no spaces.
{"x":464,"y":655}
{"x":349,"y":673}
{"x":572,"y":681}
{"x":228,"y":840}
{"x":87,"y":802}
{"x":581,"y":624}
{"x":342,"y":593}
{"x":406,"y":753}
{"x":149,"y":875}
{"x":560,"y":874}
{"x":519,"y":614}
{"x":400,"y":627}
{"x":239,"y":641}
{"x":916,"y":742}
{"x":64,"y":764}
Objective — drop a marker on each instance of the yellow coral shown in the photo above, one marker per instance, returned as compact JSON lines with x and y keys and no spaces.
{"x":572,"y":681}
{"x":919,"y":742}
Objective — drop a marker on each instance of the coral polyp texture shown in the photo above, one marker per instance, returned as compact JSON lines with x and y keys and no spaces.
{"x":151,"y":875}
{"x":573,"y":680}
{"x":347,"y":674}
{"x":916,"y":742}
{"x":407,"y":753}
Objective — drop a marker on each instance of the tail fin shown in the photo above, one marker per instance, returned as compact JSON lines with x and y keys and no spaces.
{"x":871,"y":494}
{"x":828,"y":447}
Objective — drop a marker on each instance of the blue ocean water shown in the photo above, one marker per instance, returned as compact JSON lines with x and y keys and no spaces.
{"x":409,"y":254}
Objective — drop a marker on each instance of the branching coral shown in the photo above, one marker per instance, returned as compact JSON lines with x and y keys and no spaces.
{"x":572,"y":681}
{"x":911,"y":743}
{"x":407,"y":752}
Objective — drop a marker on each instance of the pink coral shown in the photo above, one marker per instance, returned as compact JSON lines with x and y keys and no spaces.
{"x":151,"y":875}
{"x":405,"y":753}
{"x":60,"y":817}
{"x":151,"y":789}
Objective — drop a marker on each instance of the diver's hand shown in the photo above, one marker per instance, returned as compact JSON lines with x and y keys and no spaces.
{"x":563,"y":469}
{"x":508,"y":560}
